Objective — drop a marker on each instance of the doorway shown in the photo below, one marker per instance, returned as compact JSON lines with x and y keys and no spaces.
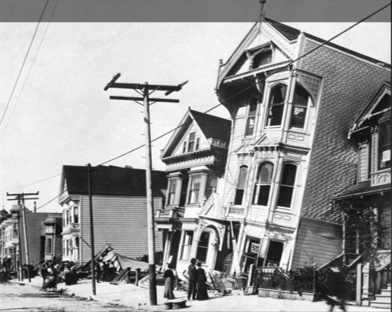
{"x":274,"y":256}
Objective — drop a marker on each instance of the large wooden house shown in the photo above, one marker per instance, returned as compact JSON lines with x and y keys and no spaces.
{"x":119,"y":210}
{"x":291,"y":102}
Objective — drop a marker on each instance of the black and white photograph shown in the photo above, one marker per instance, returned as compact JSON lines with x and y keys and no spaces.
{"x":220,"y":155}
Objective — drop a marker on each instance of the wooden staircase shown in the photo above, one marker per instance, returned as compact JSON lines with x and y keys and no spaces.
{"x":383,"y":300}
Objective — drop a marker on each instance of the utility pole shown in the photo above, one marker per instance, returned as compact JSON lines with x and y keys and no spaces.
{"x":21,"y":201}
{"x":145,"y":90}
{"x":90,"y":196}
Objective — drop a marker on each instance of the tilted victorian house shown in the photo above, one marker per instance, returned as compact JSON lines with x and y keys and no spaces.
{"x":292,"y":98}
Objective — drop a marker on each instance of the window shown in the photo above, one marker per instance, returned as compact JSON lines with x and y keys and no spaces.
{"x":287,"y":185}
{"x":274,"y":256}
{"x":300,"y":106}
{"x":197,"y":144}
{"x":194,"y":190}
{"x":211,"y":186}
{"x":384,"y":145}
{"x":67,"y":247}
{"x":186,"y":245}
{"x":49,"y":246}
{"x":76,"y":214}
{"x":250,"y":253}
{"x":239,"y":195}
{"x":276,"y":105}
{"x":202,"y":249}
{"x":172,"y":192}
{"x":251,"y":120}
{"x":191,"y":144}
{"x":184,"y":147}
{"x":262,"y":58}
{"x":263,"y":184}
{"x":15,"y":230}
{"x":67,"y":217}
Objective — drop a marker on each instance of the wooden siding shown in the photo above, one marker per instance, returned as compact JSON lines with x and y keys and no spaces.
{"x":119,"y":221}
{"x":317,"y":242}
{"x":36,"y":230}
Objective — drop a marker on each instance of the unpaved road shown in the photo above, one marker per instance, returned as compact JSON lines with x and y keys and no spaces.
{"x":19,"y":297}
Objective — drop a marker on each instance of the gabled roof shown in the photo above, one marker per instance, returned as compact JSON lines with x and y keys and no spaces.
{"x":210,"y":126}
{"x":384,"y":89}
{"x":112,"y":181}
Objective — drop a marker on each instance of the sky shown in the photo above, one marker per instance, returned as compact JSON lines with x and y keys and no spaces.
{"x":59,"y":114}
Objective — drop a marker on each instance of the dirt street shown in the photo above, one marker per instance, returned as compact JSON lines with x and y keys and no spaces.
{"x":25,"y":297}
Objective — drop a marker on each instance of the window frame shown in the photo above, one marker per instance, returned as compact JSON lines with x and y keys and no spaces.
{"x":251,"y":115}
{"x":270,"y":105}
{"x":287,"y":186}
{"x":385,"y":147}
{"x":191,"y":189}
{"x":258,"y":185}
{"x":186,"y":245}
{"x":300,"y":105}
{"x":171,"y":194}
{"x":241,"y":180}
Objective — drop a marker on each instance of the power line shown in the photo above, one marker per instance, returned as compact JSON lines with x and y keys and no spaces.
{"x":28,"y":74}
{"x":23,"y":64}
{"x":240,"y":92}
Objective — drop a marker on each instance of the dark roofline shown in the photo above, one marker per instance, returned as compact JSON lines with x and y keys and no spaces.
{"x":357,"y":54}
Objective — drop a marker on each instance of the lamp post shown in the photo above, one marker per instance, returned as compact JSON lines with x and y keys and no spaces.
{"x":15,"y":211}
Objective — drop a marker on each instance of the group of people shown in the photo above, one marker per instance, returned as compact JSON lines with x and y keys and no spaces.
{"x":197,"y":288}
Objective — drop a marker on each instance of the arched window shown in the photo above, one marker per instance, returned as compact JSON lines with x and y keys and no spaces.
{"x":300,"y":107}
{"x":287,"y":185}
{"x":251,"y":120}
{"x":263,"y":184}
{"x":239,"y":195}
{"x":276,"y":105}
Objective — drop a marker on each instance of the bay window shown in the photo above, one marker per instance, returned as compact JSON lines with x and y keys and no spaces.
{"x":263,"y":184}
{"x":172,"y":192}
{"x":276,"y":105}
{"x":251,"y":119}
{"x":384,"y":145}
{"x":194,"y":190}
{"x":239,"y":195}
{"x":300,"y":107}
{"x":287,"y":185}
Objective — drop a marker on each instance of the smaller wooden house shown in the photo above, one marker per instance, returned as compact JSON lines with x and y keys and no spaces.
{"x":119,"y":210}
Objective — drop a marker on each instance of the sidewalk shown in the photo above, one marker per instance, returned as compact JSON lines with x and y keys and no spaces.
{"x":138,"y":298}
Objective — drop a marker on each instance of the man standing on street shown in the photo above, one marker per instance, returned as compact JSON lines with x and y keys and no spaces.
{"x":192,"y":273}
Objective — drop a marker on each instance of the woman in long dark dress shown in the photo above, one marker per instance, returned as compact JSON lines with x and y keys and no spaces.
{"x":169,"y":284}
{"x":202,"y":293}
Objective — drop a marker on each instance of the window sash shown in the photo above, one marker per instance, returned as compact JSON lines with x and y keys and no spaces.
{"x":276,"y":105}
{"x":194,"y":191}
{"x":384,"y":145}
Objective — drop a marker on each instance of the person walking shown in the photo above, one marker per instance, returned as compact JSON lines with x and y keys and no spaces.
{"x":169,"y":284}
{"x":202,"y":293}
{"x":192,"y":274}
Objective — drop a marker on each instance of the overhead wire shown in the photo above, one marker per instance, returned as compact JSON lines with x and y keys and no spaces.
{"x":235,"y":95}
{"x":30,"y":69}
{"x":23,"y":63}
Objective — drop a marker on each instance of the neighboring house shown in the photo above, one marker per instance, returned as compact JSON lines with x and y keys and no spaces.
{"x":370,"y":196}
{"x":40,"y":248}
{"x":288,"y":152}
{"x":119,"y":210}
{"x":195,"y":157}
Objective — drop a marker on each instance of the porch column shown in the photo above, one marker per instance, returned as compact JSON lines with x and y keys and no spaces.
{"x":358,"y":288}
{"x":366,"y":285}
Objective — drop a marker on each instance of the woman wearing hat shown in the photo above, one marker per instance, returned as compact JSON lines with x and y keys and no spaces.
{"x":202,"y":293}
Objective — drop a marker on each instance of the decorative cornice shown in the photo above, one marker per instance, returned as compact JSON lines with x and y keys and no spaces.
{"x":203,"y":161}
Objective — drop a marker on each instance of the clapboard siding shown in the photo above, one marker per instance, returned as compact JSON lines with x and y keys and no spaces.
{"x":119,"y":221}
{"x":317,"y":242}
